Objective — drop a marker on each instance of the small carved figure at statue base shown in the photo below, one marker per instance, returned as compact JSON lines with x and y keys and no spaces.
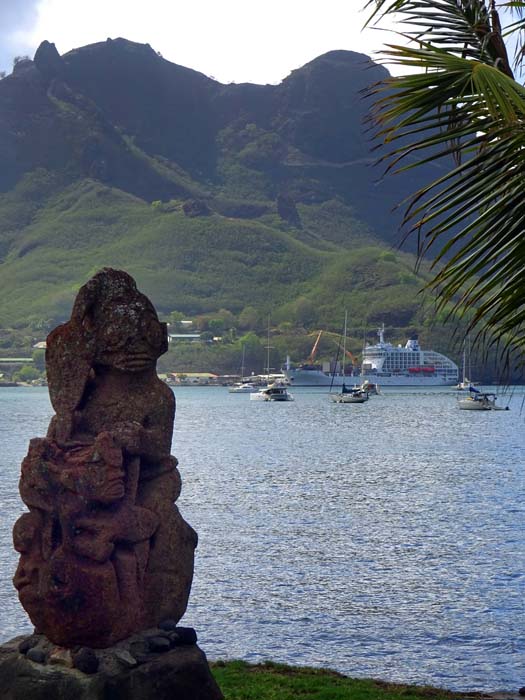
{"x":104,"y":552}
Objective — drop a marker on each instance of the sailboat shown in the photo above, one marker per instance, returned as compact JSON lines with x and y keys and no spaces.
{"x":246,"y":385}
{"x":466,"y":383}
{"x":480,"y":401}
{"x":348,"y":395}
{"x":274,"y":391}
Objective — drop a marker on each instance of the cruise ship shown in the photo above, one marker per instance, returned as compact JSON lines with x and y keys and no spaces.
{"x":385,"y":365}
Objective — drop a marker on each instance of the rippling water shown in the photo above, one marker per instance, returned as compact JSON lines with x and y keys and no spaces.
{"x":383,"y":540}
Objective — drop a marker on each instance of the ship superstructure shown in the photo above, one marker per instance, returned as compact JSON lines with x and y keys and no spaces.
{"x":387,"y":365}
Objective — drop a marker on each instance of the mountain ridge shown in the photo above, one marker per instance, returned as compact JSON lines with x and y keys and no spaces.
{"x":214,"y":196}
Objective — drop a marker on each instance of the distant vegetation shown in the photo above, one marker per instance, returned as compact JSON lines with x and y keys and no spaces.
{"x":228,"y":204}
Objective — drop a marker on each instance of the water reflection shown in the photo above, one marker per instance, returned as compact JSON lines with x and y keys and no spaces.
{"x":382,"y":539}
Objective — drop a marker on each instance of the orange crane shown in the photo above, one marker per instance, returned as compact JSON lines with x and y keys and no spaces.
{"x":313,"y":353}
{"x":352,"y":357}
{"x":336,"y":338}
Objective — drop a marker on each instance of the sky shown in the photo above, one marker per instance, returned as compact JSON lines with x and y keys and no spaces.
{"x":230,"y":40}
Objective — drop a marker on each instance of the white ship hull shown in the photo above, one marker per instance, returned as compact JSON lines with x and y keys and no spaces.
{"x":309,"y":377}
{"x":384,"y":365}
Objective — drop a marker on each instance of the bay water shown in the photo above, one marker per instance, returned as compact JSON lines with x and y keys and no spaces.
{"x":382,"y":540}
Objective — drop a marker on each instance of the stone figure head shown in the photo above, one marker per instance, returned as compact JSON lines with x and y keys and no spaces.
{"x":27,"y":540}
{"x":112,"y":326}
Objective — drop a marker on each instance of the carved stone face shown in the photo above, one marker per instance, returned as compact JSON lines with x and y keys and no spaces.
{"x":96,"y":472}
{"x":27,"y":541}
{"x":130,"y":337}
{"x":96,"y":481}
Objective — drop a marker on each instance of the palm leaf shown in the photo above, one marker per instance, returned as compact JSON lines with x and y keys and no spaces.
{"x":462,"y":109}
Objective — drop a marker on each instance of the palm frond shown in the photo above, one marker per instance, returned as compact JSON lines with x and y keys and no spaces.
{"x":464,"y":103}
{"x":468,"y":28}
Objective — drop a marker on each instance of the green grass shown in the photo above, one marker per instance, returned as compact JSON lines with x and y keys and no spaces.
{"x":270,"y":681}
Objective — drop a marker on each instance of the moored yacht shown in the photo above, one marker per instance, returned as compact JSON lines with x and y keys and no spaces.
{"x":480,"y":401}
{"x":248,"y":387}
{"x":272,"y":392}
{"x":354,"y":395}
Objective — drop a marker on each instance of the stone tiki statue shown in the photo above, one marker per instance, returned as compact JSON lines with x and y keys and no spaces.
{"x":103,"y":549}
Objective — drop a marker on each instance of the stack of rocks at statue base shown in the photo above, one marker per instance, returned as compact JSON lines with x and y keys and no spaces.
{"x":106,"y":559}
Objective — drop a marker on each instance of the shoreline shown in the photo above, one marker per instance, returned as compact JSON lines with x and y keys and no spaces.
{"x":241,"y":677}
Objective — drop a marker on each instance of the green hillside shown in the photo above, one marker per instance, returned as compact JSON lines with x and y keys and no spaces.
{"x":195,"y":264}
{"x":240,"y":201}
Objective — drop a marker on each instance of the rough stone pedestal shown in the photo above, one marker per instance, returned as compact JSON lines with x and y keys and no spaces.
{"x":182,"y":673}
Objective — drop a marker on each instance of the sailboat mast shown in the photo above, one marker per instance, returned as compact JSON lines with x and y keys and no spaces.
{"x":344,"y":346}
{"x":469,"y":360}
{"x":362,"y":371}
{"x":268,"y":353}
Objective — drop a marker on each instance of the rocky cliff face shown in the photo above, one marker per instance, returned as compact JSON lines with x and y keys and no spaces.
{"x":97,"y":110}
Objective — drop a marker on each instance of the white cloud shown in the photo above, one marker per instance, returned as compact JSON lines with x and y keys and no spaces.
{"x":233,"y":40}
{"x":15,"y":16}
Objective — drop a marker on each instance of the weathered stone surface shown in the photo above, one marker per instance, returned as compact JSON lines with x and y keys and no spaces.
{"x":125,"y":658}
{"x":181,"y":673}
{"x":183,"y":635}
{"x":159,"y":644}
{"x":104,"y":552}
{"x":60,"y":657}
{"x":27,"y":644}
{"x":86,"y":660}
{"x":36,"y":655}
{"x":168,"y":625}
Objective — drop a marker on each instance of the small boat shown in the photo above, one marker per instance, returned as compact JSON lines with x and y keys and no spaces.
{"x":272,"y":392}
{"x":244,"y":388}
{"x":275,"y":390}
{"x":465,"y":384}
{"x":246,"y":385}
{"x":369,"y":387}
{"x":480,"y":401}
{"x":354,"y":395}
